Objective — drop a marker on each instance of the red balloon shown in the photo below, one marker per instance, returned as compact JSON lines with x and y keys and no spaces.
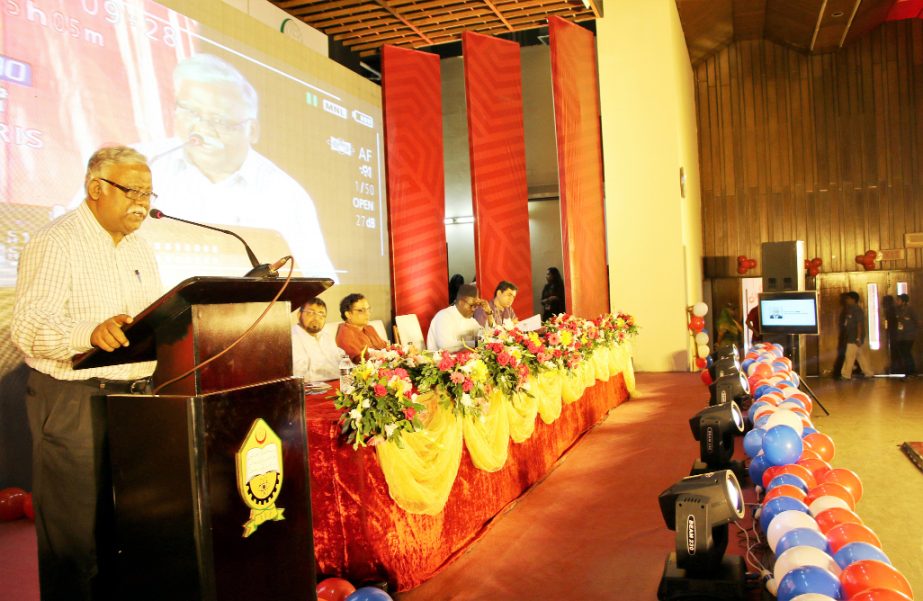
{"x":809,"y":454}
{"x":872,"y":574}
{"x":696,"y":323}
{"x":880,"y":594}
{"x":751,"y":263}
{"x":847,"y":478}
{"x":842,"y":534}
{"x":763,"y":370}
{"x":871,"y":254}
{"x":818,"y":467}
{"x":817,"y":261}
{"x":832,"y":489}
{"x":701,"y":362}
{"x":741,"y":269}
{"x":829,"y":518}
{"x":800,"y":471}
{"x":821,"y":443}
{"x":11,"y":504}
{"x":784,"y":490}
{"x":706,"y":377}
{"x":27,"y":507}
{"x":335,"y":589}
{"x":741,"y":259}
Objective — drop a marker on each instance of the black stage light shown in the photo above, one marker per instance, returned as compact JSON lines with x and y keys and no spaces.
{"x":699,"y":509}
{"x":731,"y":387}
{"x":723,"y":367}
{"x":715,"y":428}
{"x":726,"y":350}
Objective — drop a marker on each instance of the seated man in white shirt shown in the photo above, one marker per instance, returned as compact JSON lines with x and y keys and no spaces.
{"x":315,"y":355}
{"x":455,"y":326}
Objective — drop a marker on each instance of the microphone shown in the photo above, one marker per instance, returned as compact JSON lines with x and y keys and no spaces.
{"x":260,"y":270}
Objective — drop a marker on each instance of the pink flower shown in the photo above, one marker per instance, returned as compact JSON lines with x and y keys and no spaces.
{"x":468,"y":385}
{"x":457,"y":377}
{"x":447,"y":362}
{"x":400,"y":372}
{"x":554,"y":339}
{"x":380,"y":390}
{"x":504,"y":358}
{"x":409,"y":412}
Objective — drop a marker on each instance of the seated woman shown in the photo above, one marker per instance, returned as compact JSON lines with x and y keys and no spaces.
{"x":355,"y":335}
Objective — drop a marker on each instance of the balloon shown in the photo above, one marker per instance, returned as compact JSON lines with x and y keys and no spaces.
{"x":847,"y":478}
{"x":802,"y":556}
{"x":784,"y":417}
{"x":834,"y":516}
{"x":858,"y":551}
{"x":831,"y":489}
{"x":703,"y":350}
{"x":813,"y":597}
{"x":27,"y":507}
{"x":879,"y":594}
{"x":809,"y":454}
{"x":802,"y":537}
{"x":753,"y":442}
{"x":871,"y":574}
{"x":809,"y":579}
{"x":784,"y":523}
{"x":818,"y":467}
{"x":842,"y":534}
{"x":766,"y":410}
{"x":784,"y":490}
{"x":701,"y":362}
{"x":778,"y":506}
{"x":781,"y":444}
{"x":11,"y":504}
{"x":369,"y":593}
{"x":696,"y":323}
{"x":756,"y":468}
{"x":751,"y":412}
{"x":798,"y":470}
{"x":705,"y":376}
{"x":787,"y":480}
{"x":821,"y":443}
{"x":700,"y":309}
{"x":701,"y":338}
{"x":335,"y":589}
{"x":825,"y":503}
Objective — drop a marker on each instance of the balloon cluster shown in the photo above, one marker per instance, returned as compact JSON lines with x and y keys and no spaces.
{"x":867,"y":260}
{"x":15,"y":503}
{"x":338,"y":589}
{"x":697,"y":313}
{"x":823,"y":550}
{"x":813,"y":266}
{"x":744,"y":264}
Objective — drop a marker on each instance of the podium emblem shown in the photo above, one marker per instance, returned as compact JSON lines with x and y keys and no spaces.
{"x":259,"y":475}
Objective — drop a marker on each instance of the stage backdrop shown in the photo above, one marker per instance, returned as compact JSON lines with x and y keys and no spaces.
{"x":580,"y":170}
{"x":412,"y":99}
{"x":493,"y":90}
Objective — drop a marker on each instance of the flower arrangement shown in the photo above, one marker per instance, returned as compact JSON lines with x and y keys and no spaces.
{"x":511,"y":356}
{"x":461,"y":378}
{"x":616,"y":328}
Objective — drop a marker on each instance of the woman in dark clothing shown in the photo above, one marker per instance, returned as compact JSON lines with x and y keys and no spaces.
{"x":454,"y":283}
{"x":552,"y":294}
{"x":906,"y":333}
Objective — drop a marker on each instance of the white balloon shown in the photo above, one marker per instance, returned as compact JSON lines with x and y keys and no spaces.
{"x":700,"y":309}
{"x":789,"y":391}
{"x":763,"y":411}
{"x":812,"y":597}
{"x":703,"y":350}
{"x":784,"y":417}
{"x":824,"y":503}
{"x":786,"y":522}
{"x":701,"y":338}
{"x":803,"y":556}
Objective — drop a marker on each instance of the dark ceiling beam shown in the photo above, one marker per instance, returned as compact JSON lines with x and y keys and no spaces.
{"x":499,"y":14}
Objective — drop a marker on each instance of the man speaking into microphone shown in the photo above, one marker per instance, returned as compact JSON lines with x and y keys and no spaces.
{"x":209,"y":171}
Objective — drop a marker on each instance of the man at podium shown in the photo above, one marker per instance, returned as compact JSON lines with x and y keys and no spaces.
{"x":80,"y":279}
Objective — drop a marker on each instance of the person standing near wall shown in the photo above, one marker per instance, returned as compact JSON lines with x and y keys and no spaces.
{"x":906,"y":328}
{"x":854,"y":330}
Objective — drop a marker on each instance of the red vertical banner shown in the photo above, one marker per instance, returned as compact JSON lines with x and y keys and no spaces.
{"x":496,"y":142}
{"x":412,"y":103}
{"x":575,"y":84}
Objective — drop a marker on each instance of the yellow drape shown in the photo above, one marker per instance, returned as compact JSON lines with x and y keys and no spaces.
{"x":549,"y":395}
{"x":572,"y":386}
{"x":487,"y":438}
{"x":523,"y":407}
{"x":600,"y":360}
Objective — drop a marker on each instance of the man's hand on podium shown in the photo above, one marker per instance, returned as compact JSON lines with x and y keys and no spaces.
{"x":108,"y":335}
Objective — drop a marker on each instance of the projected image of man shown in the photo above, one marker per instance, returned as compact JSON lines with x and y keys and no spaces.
{"x":210,"y":172}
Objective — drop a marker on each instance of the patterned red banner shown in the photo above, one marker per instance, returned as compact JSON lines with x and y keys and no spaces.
{"x":412,"y":102}
{"x":575,"y":83}
{"x":496,"y":138}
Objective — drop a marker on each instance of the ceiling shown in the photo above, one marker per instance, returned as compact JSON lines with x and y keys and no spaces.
{"x":363,"y":27}
{"x":810,"y":26}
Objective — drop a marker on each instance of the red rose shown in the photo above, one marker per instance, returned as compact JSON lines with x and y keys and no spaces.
{"x":380,"y":390}
{"x":504,"y":358}
{"x":409,"y":412}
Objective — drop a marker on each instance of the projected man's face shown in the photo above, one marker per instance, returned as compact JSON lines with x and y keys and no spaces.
{"x":215,"y":116}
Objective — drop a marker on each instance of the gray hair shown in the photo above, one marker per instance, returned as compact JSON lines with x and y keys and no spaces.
{"x":208,"y":68}
{"x":112,"y":155}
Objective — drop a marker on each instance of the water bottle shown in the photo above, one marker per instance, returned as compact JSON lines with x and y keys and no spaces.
{"x":346,"y":368}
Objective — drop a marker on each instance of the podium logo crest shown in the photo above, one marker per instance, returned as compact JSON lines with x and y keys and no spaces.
{"x":259,"y":475}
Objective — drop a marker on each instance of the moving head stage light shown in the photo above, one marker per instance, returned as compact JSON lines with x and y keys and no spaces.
{"x":715,"y":428}
{"x":724,"y":367}
{"x":699,"y":509}
{"x":731,"y":387}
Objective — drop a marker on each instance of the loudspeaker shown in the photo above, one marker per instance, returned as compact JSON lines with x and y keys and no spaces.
{"x":783,"y":266}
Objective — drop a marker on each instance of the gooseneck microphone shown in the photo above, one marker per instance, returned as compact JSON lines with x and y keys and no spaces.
{"x":260,"y":270}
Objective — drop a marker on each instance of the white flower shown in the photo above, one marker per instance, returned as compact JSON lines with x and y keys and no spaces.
{"x":356,"y":414}
{"x":467,"y":367}
{"x":389,"y":430}
{"x":366,"y":403}
{"x":466,"y":400}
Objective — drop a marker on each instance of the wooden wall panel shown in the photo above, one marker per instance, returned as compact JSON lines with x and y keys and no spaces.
{"x":827,"y":149}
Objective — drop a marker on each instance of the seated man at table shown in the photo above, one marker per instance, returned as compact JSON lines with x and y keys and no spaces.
{"x":355,"y":335}
{"x":315,"y":355}
{"x":455,"y":326}
{"x":501,"y":307}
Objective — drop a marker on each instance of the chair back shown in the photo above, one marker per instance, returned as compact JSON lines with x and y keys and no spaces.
{"x":408,"y":327}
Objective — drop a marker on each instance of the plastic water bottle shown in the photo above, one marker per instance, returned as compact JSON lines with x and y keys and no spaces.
{"x":346,"y":368}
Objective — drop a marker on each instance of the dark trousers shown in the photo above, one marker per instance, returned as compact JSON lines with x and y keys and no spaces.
{"x":905,"y":352}
{"x":71,"y":487}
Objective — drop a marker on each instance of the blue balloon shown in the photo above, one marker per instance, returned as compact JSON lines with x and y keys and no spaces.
{"x":747,"y":363}
{"x":753,"y":442}
{"x":786,"y":382}
{"x":776,"y":506}
{"x":808,"y":430}
{"x":795,"y":401}
{"x":769,"y":389}
{"x":809,"y":579}
{"x":753,"y":409}
{"x":756,"y":469}
{"x":857,"y":551}
{"x":791,"y":479}
{"x":369,"y":593}
{"x":760,"y":390}
{"x":761,"y":422}
{"x":802,"y":537}
{"x":782,"y":445}
{"x":795,"y":379}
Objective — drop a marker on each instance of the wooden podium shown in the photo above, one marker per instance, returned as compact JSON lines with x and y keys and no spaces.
{"x":210,"y":481}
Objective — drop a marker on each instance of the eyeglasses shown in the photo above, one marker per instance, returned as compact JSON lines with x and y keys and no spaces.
{"x":131,"y":193}
{"x":360,"y":310}
{"x":219,"y":124}
{"x":311,"y":313}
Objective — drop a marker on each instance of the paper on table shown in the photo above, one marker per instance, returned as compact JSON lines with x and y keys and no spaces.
{"x":530,"y":323}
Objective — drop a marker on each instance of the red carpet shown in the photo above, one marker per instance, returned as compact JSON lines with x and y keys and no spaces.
{"x":18,"y":561}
